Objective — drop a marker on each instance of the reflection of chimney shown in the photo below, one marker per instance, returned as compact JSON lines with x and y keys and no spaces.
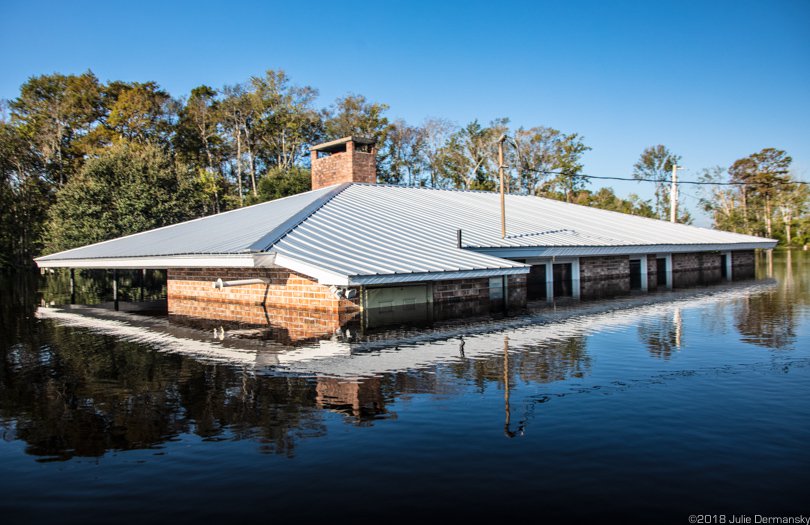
{"x":358,"y":398}
{"x":350,"y":159}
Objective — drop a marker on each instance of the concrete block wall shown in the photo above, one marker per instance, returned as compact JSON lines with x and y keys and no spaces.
{"x":517,"y":286}
{"x":652,"y":272}
{"x":684,"y":262}
{"x":604,"y":276}
{"x":743,"y":264}
{"x":610,"y":267}
{"x":463,"y":290}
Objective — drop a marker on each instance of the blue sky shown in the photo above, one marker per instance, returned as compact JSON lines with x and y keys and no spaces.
{"x":714,"y":81}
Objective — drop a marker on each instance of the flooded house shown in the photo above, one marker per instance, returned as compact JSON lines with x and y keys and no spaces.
{"x":354,"y":250}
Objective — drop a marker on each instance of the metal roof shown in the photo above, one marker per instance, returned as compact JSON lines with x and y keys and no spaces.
{"x":246,"y":230}
{"x":373,"y":234}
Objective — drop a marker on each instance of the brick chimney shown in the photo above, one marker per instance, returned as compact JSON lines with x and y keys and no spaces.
{"x":350,"y":159}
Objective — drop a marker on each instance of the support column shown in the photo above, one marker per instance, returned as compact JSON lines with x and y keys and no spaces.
{"x":668,"y":257}
{"x":575,"y":287}
{"x":729,"y":267}
{"x":72,"y":286}
{"x":644,"y":281}
{"x":550,"y":281}
{"x":143,"y":282}
{"x":115,"y":289}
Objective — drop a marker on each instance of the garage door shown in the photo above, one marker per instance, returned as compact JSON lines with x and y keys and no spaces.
{"x":396,"y":304}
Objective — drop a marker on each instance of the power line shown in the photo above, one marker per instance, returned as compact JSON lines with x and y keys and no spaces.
{"x":669,"y":181}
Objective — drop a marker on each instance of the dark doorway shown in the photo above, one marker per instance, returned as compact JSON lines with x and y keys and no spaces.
{"x":661,"y":271}
{"x":635,"y":274}
{"x":724,"y":266}
{"x":563,"y":285}
{"x":536,"y":283}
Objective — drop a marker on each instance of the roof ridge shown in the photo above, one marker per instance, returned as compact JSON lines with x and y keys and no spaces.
{"x":267,"y":240}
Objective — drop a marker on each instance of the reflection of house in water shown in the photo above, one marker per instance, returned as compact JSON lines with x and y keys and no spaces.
{"x":384,"y":255}
{"x":227,"y":387}
{"x":361,"y":399}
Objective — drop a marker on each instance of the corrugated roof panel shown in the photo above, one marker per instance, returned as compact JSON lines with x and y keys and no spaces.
{"x":225,"y":233}
{"x":368,"y":230}
{"x":379,"y":230}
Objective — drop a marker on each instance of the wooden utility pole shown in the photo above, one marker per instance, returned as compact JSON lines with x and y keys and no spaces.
{"x":673,"y":195}
{"x":503,"y":198}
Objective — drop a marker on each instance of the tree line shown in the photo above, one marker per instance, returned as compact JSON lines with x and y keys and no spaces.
{"x":83,"y":161}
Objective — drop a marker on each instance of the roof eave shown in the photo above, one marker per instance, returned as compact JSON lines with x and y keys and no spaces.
{"x":165,"y":261}
{"x":586,"y":251}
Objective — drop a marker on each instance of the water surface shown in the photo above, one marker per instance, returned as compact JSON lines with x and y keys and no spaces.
{"x":645,"y":408}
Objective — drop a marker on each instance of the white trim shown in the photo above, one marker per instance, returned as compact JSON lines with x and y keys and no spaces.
{"x":435,"y":276}
{"x":310,"y":270}
{"x":589,"y":251}
{"x":164,"y":262}
{"x":576,"y":290}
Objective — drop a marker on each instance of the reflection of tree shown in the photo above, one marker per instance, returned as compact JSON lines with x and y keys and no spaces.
{"x":75,"y":393}
{"x":769,"y":319}
{"x":542,"y":362}
{"x":662,"y":335}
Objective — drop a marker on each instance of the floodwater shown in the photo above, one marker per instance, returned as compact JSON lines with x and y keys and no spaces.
{"x":648,"y":408}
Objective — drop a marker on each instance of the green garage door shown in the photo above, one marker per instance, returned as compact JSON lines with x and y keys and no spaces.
{"x":396,"y":304}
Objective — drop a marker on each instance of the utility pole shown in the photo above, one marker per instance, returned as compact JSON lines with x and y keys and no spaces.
{"x":503,"y":198}
{"x":673,"y":195}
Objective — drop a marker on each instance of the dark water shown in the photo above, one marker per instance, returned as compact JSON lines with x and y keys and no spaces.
{"x":649,"y":408}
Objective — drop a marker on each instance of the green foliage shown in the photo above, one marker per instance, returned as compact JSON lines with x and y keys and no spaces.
{"x":127,"y":190}
{"x":354,"y":115}
{"x":606,"y":199}
{"x":280,"y":183}
{"x":121,"y":157}
{"x":764,"y":199}
{"x":655,"y":164}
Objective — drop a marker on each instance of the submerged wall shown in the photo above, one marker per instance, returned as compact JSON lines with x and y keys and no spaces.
{"x":604,"y":276}
{"x":743,"y":264}
{"x":294,"y":305}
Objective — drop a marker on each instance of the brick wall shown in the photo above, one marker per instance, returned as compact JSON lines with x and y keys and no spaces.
{"x":345,"y":166}
{"x":294,"y":305}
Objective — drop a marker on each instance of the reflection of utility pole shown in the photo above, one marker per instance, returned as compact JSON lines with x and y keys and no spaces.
{"x":673,"y":195}
{"x":789,"y":270}
{"x":506,"y":431}
{"x":678,"y":322}
{"x":503,"y":198}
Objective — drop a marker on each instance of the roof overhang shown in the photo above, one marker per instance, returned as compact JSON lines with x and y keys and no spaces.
{"x":436,"y":276}
{"x":249,"y":260}
{"x":589,"y":251}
